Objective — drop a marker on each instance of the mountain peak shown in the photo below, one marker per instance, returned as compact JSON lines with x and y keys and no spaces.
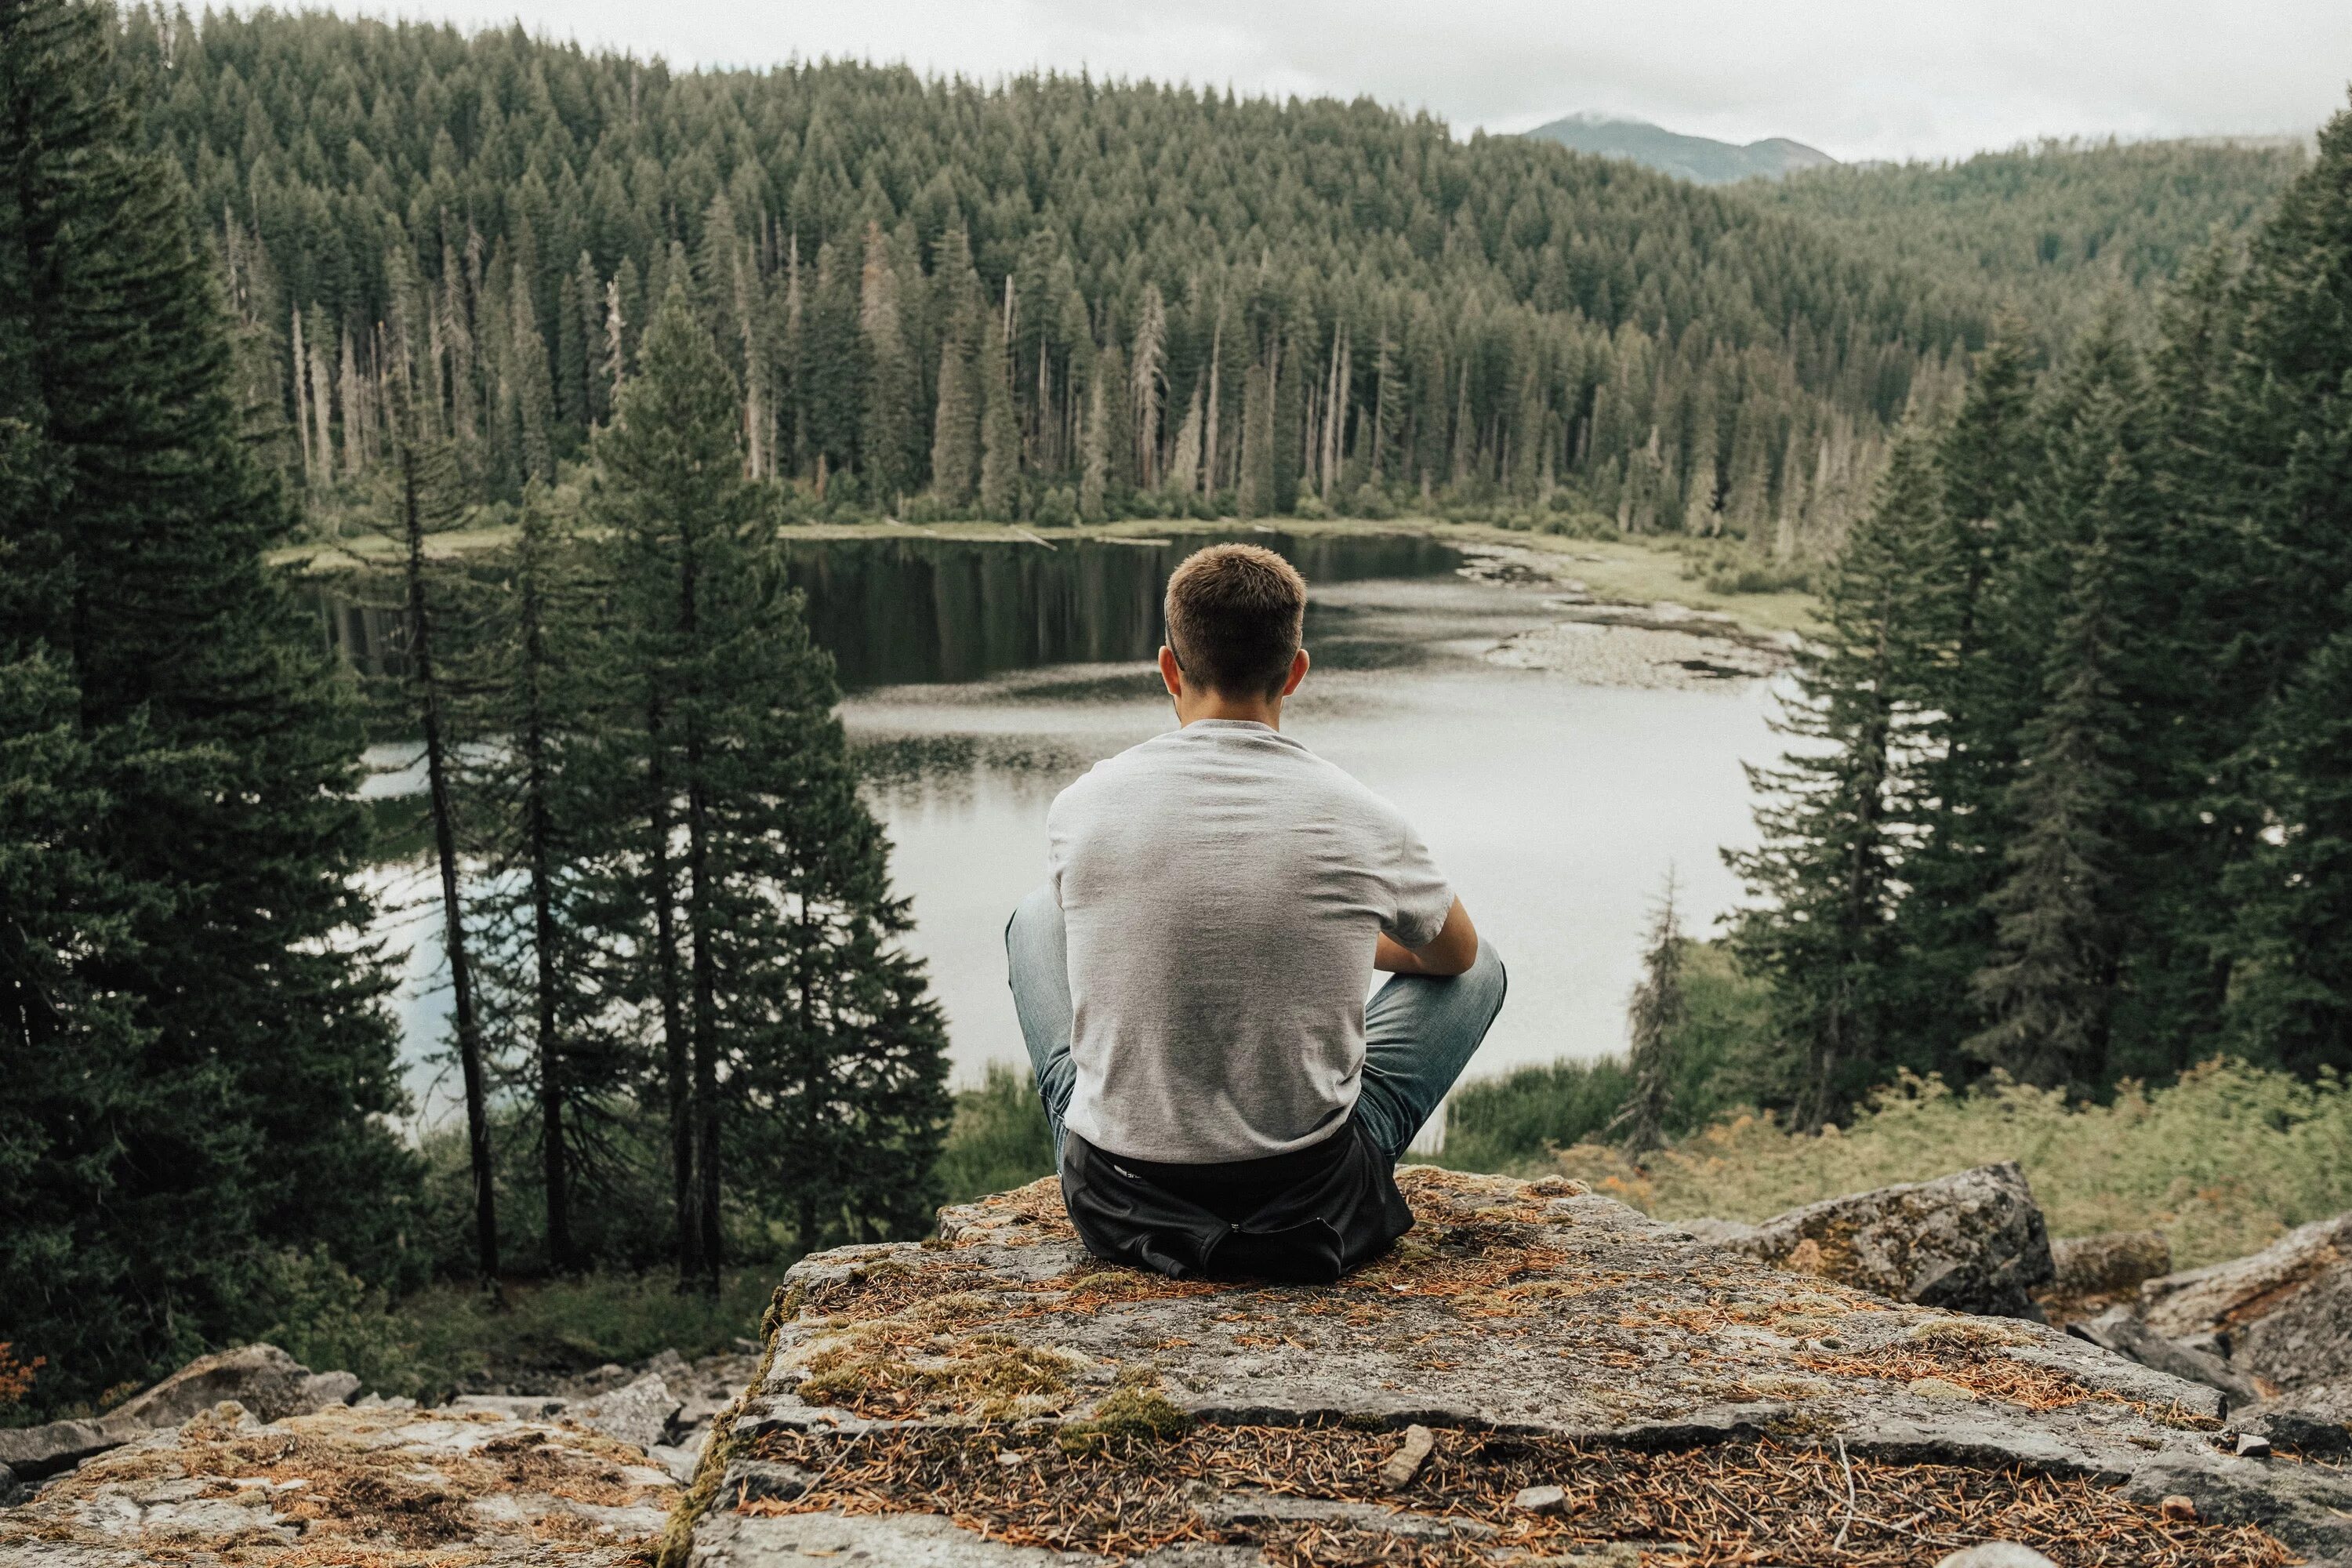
{"x":1698,"y":159}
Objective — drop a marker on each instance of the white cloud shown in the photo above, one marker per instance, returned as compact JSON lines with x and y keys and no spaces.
{"x":1859,"y":79}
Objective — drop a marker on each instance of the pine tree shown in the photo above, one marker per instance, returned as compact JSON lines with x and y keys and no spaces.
{"x":426,"y":475}
{"x":885,"y":441}
{"x":2049,"y":987}
{"x":2292,"y":1003}
{"x":1287,"y":431}
{"x":534,"y":391}
{"x":1254,"y":492}
{"x":546,"y":992}
{"x":1833,"y":814}
{"x":672,"y":493}
{"x":1000,"y":436}
{"x":228,"y":1001}
{"x":1095,"y":443}
{"x":2281,"y":461}
{"x":2095,"y":770}
{"x":1655,"y":1016}
{"x":1150,"y":384}
{"x":1979,"y":688}
{"x":815,"y":1062}
{"x":955,"y":437}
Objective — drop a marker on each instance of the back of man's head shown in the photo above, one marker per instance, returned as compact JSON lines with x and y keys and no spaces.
{"x":1235,"y":615}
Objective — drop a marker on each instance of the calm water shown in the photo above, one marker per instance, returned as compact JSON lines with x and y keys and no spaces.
{"x":983,"y":679}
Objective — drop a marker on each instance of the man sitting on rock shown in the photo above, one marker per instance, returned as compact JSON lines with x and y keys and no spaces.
{"x":1190,"y":979}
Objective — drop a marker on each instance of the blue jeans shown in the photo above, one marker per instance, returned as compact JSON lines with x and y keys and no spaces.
{"x":1419,"y":1032}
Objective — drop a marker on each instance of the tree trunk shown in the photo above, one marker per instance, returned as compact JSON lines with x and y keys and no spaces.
{"x":445,"y":845}
{"x":675,"y":1062}
{"x":539,"y":849}
{"x":701,"y":924}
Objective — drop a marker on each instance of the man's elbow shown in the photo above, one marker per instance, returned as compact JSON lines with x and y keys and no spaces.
{"x":1455,"y":949}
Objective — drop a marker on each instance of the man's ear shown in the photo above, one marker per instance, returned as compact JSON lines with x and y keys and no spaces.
{"x":1298,"y":672}
{"x":1171,"y":674}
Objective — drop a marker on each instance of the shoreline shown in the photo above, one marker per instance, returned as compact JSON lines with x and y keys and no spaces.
{"x":1633,"y":580}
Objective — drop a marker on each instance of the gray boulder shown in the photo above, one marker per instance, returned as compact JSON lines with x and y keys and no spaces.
{"x":262,"y":1378}
{"x":2305,"y":1339}
{"x":2118,"y":1329}
{"x":321,"y":1389}
{"x":33,"y":1452}
{"x":638,"y":1414}
{"x":2316,"y":1419}
{"x":1971,"y":1242}
{"x":2108,"y":1264}
{"x":346,"y":1486}
{"x":1528,"y":1326}
{"x":2282,"y":1315}
{"x":2222,"y":1298}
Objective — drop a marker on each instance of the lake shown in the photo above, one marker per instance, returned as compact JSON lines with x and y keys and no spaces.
{"x":982,"y":678}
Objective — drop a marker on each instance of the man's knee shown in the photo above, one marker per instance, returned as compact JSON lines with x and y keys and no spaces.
{"x":1030,"y":916}
{"x":1488,"y":980}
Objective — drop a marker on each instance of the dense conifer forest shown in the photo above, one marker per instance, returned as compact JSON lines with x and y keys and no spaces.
{"x":1050,"y":298}
{"x":2048,"y":230}
{"x":2062,"y":438}
{"x":2070,"y":797}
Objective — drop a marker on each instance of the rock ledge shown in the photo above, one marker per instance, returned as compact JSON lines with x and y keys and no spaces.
{"x":995,"y":1396}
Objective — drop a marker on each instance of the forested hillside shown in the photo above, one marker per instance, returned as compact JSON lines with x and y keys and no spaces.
{"x":2049,"y":228}
{"x":2072,"y":795}
{"x":1054,"y":298}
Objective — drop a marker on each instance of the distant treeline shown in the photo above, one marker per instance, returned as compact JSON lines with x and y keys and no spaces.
{"x":1057,"y":298}
{"x":2050,"y":229}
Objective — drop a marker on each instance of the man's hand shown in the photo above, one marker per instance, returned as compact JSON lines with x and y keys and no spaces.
{"x":1452,"y":953}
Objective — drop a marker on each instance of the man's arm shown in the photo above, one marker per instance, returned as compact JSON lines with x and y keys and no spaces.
{"x":1455,"y":949}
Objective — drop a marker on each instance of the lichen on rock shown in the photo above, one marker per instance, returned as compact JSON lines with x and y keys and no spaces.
{"x":1544,"y":1336}
{"x":380,"y":1487}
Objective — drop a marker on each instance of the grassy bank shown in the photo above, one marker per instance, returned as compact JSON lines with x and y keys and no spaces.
{"x":2221,"y":1162}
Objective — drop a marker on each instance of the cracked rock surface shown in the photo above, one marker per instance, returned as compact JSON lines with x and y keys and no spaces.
{"x":997,"y":1396}
{"x":354,"y":1487}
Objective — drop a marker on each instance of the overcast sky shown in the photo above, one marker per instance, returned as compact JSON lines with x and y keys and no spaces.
{"x":1859,"y":78}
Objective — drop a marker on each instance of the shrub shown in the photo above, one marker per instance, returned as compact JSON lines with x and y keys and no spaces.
{"x":1722,"y":1060}
{"x":325,"y":1316}
{"x":999,"y":1138}
{"x":1058,"y":508}
{"x":1510,"y":1122}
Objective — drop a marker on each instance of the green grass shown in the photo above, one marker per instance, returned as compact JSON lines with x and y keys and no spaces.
{"x":2221,"y":1162}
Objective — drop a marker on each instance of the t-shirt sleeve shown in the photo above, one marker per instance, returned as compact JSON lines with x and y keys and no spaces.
{"x":1056,"y":844}
{"x":1419,"y":898}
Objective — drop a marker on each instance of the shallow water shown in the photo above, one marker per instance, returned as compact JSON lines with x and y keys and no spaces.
{"x":1558,"y":808}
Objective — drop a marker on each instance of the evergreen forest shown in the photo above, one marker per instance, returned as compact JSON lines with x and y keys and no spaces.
{"x":2060,"y":438}
{"x":1054,"y":298}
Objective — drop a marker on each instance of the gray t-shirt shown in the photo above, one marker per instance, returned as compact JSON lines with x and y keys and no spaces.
{"x":1221,"y":885}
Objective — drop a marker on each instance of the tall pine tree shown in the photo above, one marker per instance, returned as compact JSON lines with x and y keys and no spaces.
{"x":234,"y":1063}
{"x":814,"y":1061}
{"x":1835,"y":811}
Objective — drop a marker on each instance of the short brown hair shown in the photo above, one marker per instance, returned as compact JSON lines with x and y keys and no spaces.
{"x":1235,"y":613}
